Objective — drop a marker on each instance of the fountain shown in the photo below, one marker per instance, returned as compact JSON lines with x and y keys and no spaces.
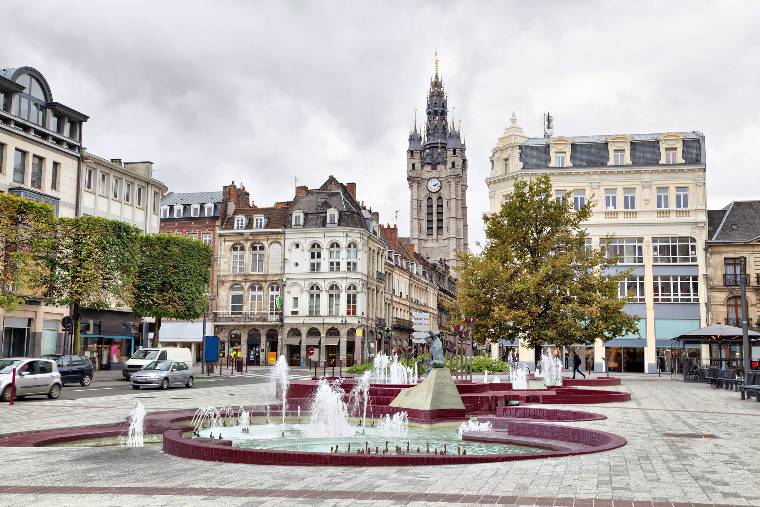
{"x":394,"y":426}
{"x":136,"y":419}
{"x":518,"y":376}
{"x":485,"y":376}
{"x":471,"y":425}
{"x":328,"y":415}
{"x":244,"y":420}
{"x":551,"y":368}
{"x":359,"y":396}
{"x":280,"y":377}
{"x":390,"y":370}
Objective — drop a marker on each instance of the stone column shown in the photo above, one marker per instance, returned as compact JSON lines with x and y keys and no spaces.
{"x":650,"y":352}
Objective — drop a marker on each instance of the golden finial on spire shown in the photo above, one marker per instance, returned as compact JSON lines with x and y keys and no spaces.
{"x":436,"y":63}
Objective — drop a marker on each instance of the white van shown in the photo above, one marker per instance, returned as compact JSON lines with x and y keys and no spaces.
{"x":143,"y":356}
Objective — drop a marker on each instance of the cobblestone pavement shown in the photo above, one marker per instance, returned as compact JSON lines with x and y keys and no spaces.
{"x":654,"y":467}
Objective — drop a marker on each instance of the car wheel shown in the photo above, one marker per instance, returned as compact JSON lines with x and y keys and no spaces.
{"x":6,"y":396}
{"x":189,"y":382}
{"x":165,"y":383}
{"x":135,"y":387}
{"x":86,"y":380}
{"x":55,"y":392}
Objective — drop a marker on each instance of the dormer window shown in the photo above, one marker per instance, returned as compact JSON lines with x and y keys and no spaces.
{"x":560,"y":149}
{"x":332,"y":217}
{"x":559,"y":159}
{"x":195,"y":210}
{"x":177,"y":211}
{"x":619,"y":147}
{"x":164,"y":211}
{"x":209,"y":209}
{"x":671,"y":148}
{"x":619,"y":156}
{"x":259,"y":222}
{"x":297,"y":219}
{"x":239,"y":223}
{"x":671,"y":155}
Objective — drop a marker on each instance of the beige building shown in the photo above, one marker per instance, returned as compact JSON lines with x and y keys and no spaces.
{"x":125,"y":191}
{"x":649,"y":209}
{"x":40,"y":147}
{"x":734,"y":240}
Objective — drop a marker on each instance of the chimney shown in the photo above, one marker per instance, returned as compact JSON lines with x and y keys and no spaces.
{"x":410,"y":248}
{"x":391,"y":232}
{"x":376,"y":217}
{"x":301,"y":190}
{"x":351,"y":189}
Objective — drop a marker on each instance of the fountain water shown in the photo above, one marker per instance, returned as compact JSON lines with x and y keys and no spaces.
{"x":551,"y":367}
{"x":518,"y":376}
{"x":136,"y":420}
{"x":244,"y":420}
{"x":485,"y":376}
{"x":328,"y":415}
{"x":280,"y":376}
{"x":474,"y":426}
{"x":390,"y":370}
{"x":359,"y":396}
{"x":394,"y":426}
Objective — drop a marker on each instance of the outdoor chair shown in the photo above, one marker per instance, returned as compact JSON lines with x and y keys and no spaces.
{"x":751,"y":386}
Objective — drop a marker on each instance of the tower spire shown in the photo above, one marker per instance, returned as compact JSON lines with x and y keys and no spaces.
{"x":436,"y":64}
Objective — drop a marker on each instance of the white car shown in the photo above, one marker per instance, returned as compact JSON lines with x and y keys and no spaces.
{"x":33,"y":376}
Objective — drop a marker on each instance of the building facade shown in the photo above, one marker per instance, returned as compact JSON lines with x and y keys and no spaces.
{"x":734,"y":242}
{"x":436,"y":171}
{"x":333,"y":279}
{"x":125,"y":191}
{"x":40,"y":148}
{"x":649,"y":209}
{"x":248,"y":311}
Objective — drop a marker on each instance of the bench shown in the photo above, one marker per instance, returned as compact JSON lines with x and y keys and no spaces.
{"x":751,"y":386}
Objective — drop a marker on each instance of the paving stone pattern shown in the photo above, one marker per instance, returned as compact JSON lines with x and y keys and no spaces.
{"x":652,"y":470}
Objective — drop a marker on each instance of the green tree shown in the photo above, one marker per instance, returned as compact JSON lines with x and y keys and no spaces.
{"x":93,"y":266}
{"x":173,"y":276}
{"x":26,"y":240}
{"x":536,"y":279}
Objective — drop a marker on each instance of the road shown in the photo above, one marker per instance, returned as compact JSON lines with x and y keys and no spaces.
{"x":111,"y":383}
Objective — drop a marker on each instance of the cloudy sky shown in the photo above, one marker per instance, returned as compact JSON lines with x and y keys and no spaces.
{"x":262,"y":92}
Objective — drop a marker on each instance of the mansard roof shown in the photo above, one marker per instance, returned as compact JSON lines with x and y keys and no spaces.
{"x":739,"y":222}
{"x":173,"y":198}
{"x":333,"y":194}
{"x":276,"y":217}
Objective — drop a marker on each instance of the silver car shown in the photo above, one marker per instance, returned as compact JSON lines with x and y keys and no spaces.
{"x":163,"y":374}
{"x":33,"y":376}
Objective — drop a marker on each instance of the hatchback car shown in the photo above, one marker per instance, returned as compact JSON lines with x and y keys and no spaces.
{"x":33,"y":376}
{"x":73,"y":369}
{"x":163,"y":374}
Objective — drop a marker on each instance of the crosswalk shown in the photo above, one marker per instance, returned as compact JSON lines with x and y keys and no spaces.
{"x":94,"y":389}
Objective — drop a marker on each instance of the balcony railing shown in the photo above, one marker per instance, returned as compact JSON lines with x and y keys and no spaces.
{"x":734,"y":279}
{"x":245,"y":317}
{"x":401,"y":323}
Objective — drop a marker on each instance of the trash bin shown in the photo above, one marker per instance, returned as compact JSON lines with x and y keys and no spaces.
{"x":240,"y":365}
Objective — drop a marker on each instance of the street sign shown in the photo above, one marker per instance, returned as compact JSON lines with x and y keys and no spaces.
{"x":420,"y":335}
{"x":423,"y":316}
{"x":421,"y":321}
{"x":425,"y":328}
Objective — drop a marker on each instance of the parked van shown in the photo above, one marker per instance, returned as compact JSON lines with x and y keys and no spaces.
{"x":144,"y":356}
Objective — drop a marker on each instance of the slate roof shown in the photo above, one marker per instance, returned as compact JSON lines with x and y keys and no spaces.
{"x":276,"y":218}
{"x":739,"y":223}
{"x":332,"y":194}
{"x":173,"y":198}
{"x":592,"y":151}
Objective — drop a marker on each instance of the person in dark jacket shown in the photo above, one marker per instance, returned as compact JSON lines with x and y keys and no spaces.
{"x":577,"y":364}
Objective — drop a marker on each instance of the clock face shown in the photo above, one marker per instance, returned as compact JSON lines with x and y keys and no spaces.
{"x":434,"y":184}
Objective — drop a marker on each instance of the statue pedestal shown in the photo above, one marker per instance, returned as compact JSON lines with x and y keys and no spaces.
{"x":436,"y":399}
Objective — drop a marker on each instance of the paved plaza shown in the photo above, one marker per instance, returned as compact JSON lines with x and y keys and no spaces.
{"x":667,"y":459}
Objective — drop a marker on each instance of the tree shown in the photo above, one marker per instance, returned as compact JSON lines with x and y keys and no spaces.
{"x":536,"y":279}
{"x":93,"y":266}
{"x":26,"y":239}
{"x":173,"y":276}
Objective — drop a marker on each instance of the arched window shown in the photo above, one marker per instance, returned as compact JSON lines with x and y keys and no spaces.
{"x":314,"y":299}
{"x":439,"y":213}
{"x":333,"y":300}
{"x":275,"y":303}
{"x":256,"y":298}
{"x":257,"y":258}
{"x":351,"y":300}
{"x":315,"y":258}
{"x":352,"y":254}
{"x":734,"y":311}
{"x":333,"y":257}
{"x":237,"y":261}
{"x":429,"y":216}
{"x":30,"y":104}
{"x":236,"y":299}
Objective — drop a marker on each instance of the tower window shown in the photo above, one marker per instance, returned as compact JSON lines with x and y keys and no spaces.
{"x":414,"y":166}
{"x":430,"y":216}
{"x":455,"y":152}
{"x":439,"y":213}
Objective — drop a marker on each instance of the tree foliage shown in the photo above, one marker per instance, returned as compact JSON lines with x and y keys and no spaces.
{"x":536,"y":280}
{"x":172,"y":279}
{"x":26,"y":239}
{"x":93,"y":265}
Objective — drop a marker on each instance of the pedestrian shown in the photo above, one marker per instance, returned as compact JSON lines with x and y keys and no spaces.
{"x":577,"y":364}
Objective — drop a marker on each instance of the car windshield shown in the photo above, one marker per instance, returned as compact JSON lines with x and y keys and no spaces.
{"x":159,"y":365}
{"x":145,"y":354}
{"x":7,"y":365}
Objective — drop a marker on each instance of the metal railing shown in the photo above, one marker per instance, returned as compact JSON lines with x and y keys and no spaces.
{"x":245,"y":317}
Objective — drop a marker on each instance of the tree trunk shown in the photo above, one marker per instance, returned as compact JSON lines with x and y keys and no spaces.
{"x":156,"y":330}
{"x":77,"y":346}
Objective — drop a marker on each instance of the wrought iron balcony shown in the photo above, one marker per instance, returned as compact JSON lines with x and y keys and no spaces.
{"x":245,"y":317}
{"x":734,"y":279}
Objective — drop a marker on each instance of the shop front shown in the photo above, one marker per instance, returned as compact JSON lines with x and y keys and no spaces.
{"x":272,"y":343}
{"x":186,"y":334}
{"x":17,"y":337}
{"x":313,"y":346}
{"x":624,"y":355}
{"x":293,"y":347}
{"x":332,"y":344}
{"x":351,"y":348}
{"x":108,"y":352}
{"x":254,"y":347}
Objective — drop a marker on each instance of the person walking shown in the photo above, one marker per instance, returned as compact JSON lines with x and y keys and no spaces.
{"x":577,"y":364}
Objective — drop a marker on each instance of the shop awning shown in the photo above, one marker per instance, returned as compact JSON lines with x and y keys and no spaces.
{"x":718,"y":332}
{"x":181,"y":331}
{"x":312,"y":340}
{"x":292,"y":340}
{"x":332,"y":340}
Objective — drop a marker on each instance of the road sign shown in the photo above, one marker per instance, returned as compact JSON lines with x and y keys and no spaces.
{"x":420,"y":334}
{"x":421,"y":316}
{"x":421,"y":321}
{"x":425,"y":328}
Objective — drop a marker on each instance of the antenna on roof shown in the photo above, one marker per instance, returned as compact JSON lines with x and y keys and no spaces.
{"x":548,"y":125}
{"x":395,"y":214}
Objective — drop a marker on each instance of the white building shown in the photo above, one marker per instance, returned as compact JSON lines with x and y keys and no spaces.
{"x":649,"y":208}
